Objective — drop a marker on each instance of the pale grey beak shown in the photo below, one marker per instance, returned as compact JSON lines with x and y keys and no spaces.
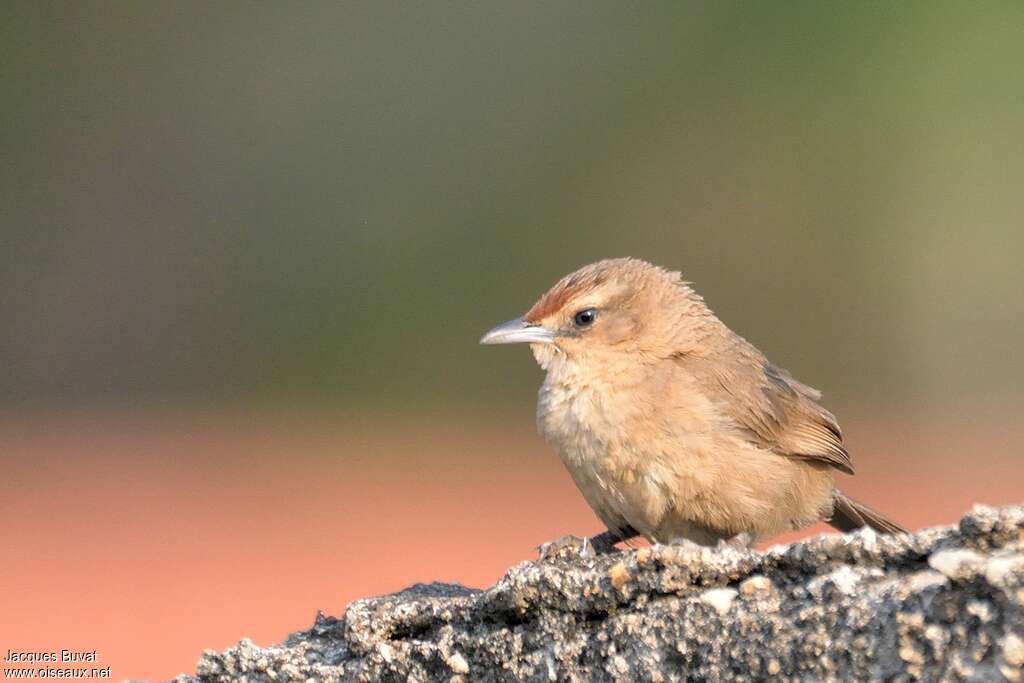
{"x":518,"y":331}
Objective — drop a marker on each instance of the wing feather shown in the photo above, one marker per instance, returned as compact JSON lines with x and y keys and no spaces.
{"x":769,"y":407}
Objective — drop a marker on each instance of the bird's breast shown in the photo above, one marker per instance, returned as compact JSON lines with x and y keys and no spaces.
{"x":574,"y":420}
{"x":591,"y":425}
{"x":605,"y":437}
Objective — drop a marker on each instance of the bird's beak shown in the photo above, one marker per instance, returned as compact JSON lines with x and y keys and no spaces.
{"x":518,"y":331}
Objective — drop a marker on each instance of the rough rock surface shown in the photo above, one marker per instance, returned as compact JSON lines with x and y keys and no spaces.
{"x":943,"y":604}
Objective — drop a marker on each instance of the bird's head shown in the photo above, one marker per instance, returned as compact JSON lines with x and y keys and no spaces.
{"x":616,"y":306}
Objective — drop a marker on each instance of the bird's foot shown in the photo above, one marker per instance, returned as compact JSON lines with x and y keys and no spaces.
{"x":742,"y":541}
{"x":570,"y":547}
{"x":566,"y":548}
{"x":687,"y":544}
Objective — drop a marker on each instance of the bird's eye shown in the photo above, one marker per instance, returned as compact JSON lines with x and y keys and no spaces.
{"x":585,"y":317}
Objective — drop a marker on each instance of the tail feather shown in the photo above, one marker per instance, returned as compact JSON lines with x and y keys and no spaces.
{"x":849,"y":515}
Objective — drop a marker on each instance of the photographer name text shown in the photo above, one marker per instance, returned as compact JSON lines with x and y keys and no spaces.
{"x":51,"y":656}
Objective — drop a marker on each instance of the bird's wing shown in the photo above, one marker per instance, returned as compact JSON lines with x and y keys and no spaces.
{"x":769,"y":407}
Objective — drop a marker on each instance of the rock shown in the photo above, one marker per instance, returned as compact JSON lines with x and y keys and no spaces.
{"x":943,"y":604}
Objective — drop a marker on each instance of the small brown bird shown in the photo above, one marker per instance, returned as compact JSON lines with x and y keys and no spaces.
{"x":672,"y":425}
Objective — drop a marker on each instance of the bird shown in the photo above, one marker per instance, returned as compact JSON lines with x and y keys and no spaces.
{"x":672,"y":426}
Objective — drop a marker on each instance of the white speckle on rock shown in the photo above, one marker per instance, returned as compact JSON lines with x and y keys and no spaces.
{"x":956,"y":564}
{"x":919,"y":581}
{"x":457,"y":663}
{"x":998,"y":567}
{"x":845,"y":579}
{"x":719,"y":598}
{"x":755,"y":585}
{"x":982,"y":610}
{"x":386,"y":652}
{"x":1013,"y":650}
{"x":911,"y":655}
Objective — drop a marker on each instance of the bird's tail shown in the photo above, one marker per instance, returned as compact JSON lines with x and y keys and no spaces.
{"x":848,"y":515}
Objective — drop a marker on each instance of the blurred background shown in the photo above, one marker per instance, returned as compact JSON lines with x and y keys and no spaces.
{"x":247,"y":251}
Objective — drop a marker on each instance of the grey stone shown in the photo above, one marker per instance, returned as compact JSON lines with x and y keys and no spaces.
{"x":942,"y":604}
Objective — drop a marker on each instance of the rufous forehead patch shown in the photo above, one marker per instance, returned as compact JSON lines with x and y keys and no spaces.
{"x":619,"y":275}
{"x":551,"y":302}
{"x":564,"y":291}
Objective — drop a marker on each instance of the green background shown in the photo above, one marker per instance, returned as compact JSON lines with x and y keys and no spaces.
{"x":329,"y":202}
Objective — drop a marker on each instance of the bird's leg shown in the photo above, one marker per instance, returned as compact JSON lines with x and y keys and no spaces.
{"x":605,"y":541}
